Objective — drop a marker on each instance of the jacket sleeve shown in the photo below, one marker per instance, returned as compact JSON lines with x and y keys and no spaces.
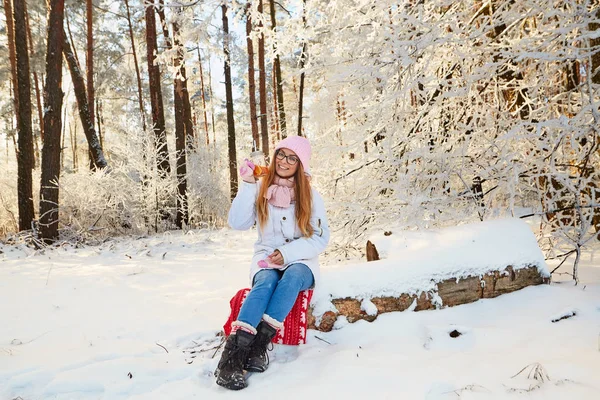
{"x":309,"y":247}
{"x":242,"y":213}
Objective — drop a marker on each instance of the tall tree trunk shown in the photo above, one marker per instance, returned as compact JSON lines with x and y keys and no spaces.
{"x":229,"y":98}
{"x":302,"y":74}
{"x":73,"y":139}
{"x":89,"y":60}
{"x":262,"y":86}
{"x":25,"y":140}
{"x":212,"y":104}
{"x":203,"y":94}
{"x":185,"y":94}
{"x":251,"y":83}
{"x":278,"y":80}
{"x":180,"y":148}
{"x":10,"y":33}
{"x":275,"y":119}
{"x":182,"y":128}
{"x":52,"y":123}
{"x":71,"y":37}
{"x":63,"y":139}
{"x":137,"y":68}
{"x":89,"y":63}
{"x":38,"y":96}
{"x":189,"y":120}
{"x":158,"y":113}
{"x":96,"y":153}
{"x":100,"y":122}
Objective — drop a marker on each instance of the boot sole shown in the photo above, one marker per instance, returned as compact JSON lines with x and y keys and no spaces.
{"x":231,"y":385}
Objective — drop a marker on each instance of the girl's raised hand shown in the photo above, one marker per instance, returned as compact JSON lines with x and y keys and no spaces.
{"x":247,"y":171}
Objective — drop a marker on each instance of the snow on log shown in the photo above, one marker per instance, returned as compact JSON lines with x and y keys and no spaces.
{"x":430,"y":269}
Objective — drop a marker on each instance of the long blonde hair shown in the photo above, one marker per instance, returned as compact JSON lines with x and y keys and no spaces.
{"x":303,"y":193}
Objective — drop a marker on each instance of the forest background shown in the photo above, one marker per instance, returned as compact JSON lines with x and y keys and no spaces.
{"x":130,"y":117}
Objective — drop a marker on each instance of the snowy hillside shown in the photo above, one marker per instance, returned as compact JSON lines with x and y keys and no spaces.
{"x":118,"y":321}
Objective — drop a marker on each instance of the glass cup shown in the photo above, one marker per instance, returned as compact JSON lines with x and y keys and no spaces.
{"x":258,"y":159}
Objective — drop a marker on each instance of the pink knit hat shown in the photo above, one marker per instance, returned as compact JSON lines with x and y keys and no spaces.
{"x":299,"y":145}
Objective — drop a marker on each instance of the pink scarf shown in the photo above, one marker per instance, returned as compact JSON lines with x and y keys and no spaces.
{"x":281,"y":192}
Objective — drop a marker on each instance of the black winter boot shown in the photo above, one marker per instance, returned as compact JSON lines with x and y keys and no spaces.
{"x":229,"y":372}
{"x":258,"y":359}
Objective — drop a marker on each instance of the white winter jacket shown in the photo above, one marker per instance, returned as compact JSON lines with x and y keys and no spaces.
{"x":281,"y":231}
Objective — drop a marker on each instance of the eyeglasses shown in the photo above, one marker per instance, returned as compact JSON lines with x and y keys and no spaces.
{"x":292,"y":160}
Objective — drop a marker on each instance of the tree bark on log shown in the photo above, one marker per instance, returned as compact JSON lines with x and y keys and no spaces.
{"x":452,"y":293}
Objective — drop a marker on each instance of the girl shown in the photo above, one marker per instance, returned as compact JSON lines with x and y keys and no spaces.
{"x":292,"y":232}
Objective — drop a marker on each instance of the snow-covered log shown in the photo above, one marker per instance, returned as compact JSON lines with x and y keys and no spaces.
{"x":429,"y":270}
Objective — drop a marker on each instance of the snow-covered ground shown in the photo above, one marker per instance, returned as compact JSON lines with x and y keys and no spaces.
{"x":117,"y":322}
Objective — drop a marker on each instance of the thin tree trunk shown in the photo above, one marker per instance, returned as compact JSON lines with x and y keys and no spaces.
{"x":262,"y":86}
{"x":91,"y":164}
{"x":212,"y":104}
{"x":180,"y":154}
{"x":38,"y":96}
{"x":229,"y":98}
{"x":137,"y":68}
{"x":187,"y":112}
{"x":65,"y":121}
{"x":71,"y":37}
{"x":163,"y":23}
{"x":63,"y":137}
{"x":251,"y":83}
{"x":185,"y":94}
{"x":89,"y":60}
{"x":10,"y":33}
{"x":100,"y":122}
{"x":89,"y":130}
{"x":203,"y":93}
{"x":73,"y":140}
{"x":25,"y":154}
{"x":275,"y":119}
{"x":158,"y":113}
{"x":302,"y":74}
{"x":181,"y":125}
{"x":278,"y":80}
{"x":52,"y":124}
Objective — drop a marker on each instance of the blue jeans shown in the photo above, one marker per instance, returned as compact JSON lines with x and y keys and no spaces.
{"x":274,"y":293}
